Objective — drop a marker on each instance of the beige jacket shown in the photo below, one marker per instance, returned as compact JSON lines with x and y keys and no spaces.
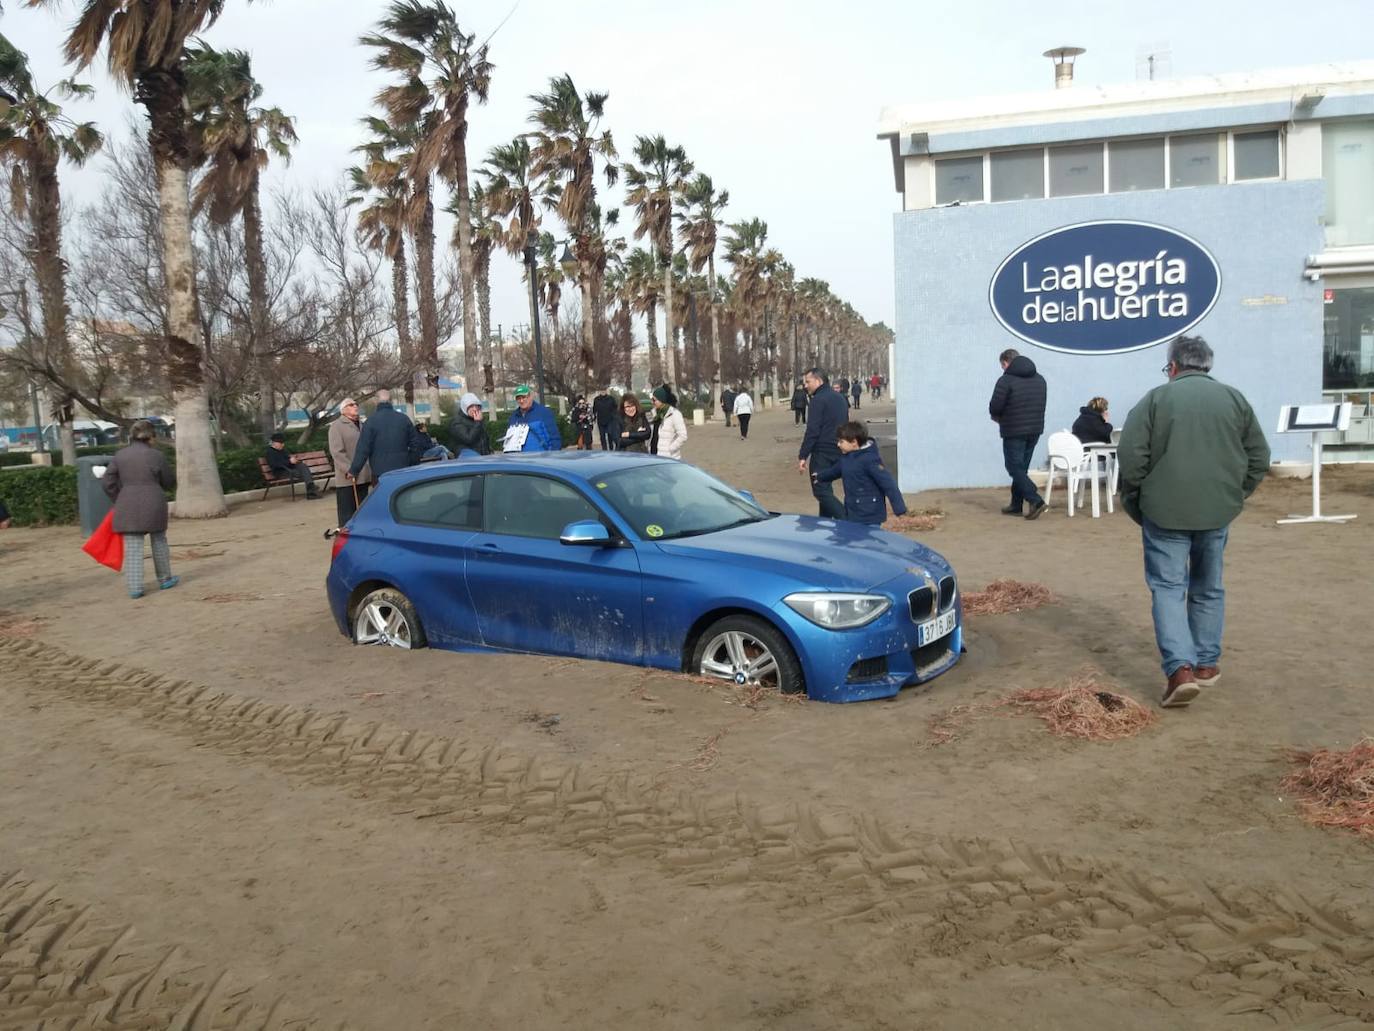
{"x":343,"y":442}
{"x":672,"y":434}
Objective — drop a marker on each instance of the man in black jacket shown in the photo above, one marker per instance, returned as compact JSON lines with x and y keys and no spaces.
{"x":606,"y":411}
{"x":387,"y":442}
{"x":287,"y":466}
{"x":828,"y":411}
{"x":1018,"y":408}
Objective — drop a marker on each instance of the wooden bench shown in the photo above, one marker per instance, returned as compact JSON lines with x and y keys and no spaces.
{"x":317,"y":461}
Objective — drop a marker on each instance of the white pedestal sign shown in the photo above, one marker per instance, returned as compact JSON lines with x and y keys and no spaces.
{"x":1316,"y":420}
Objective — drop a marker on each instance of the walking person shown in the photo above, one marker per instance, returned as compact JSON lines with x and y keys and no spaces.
{"x":388,"y":441}
{"x":727,"y":403}
{"x":868,"y":486}
{"x":343,"y":445}
{"x":1191,"y":452}
{"x":635,"y":431}
{"x":604,"y":410}
{"x":669,"y":427}
{"x":583,"y":421}
{"x":1018,"y":408}
{"x":799,"y":400}
{"x":744,"y":411}
{"x":856,"y":390}
{"x":137,"y":480}
{"x":827,"y":412}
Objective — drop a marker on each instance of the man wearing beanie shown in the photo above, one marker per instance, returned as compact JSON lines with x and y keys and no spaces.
{"x":670,"y":429}
{"x":286,"y":466}
{"x":467,"y":430}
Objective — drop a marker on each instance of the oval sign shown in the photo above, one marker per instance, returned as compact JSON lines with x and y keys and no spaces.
{"x":1105,"y":287}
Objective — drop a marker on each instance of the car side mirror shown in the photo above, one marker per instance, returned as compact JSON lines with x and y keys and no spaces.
{"x":587,"y":532}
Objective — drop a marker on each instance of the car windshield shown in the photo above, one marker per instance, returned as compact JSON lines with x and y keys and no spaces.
{"x":667,"y":500}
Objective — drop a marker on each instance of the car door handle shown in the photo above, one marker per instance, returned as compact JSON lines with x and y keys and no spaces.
{"x":489,"y":545}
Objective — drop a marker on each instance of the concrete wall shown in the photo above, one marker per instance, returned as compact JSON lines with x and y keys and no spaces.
{"x":1266,"y":327}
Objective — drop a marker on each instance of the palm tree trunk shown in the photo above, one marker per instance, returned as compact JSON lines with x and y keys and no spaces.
{"x":199,"y":492}
{"x":655,"y":363}
{"x":472,"y":346}
{"x":49,"y":270}
{"x":257,"y":307}
{"x":588,"y":356}
{"x":429,"y":311}
{"x":400,"y":303}
{"x":484,"y":316}
{"x":669,"y":341}
{"x":716,"y":388}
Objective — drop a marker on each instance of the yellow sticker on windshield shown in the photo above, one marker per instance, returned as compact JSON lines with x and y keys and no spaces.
{"x":654,"y":530}
{"x":600,"y":486}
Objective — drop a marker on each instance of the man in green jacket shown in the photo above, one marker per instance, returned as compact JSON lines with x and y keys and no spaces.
{"x":1190,"y":454}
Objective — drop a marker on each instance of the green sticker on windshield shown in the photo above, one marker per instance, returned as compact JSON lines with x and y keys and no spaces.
{"x":654,"y":530}
{"x":600,"y":486}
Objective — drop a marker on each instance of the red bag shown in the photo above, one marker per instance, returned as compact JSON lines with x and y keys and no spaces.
{"x":106,"y":546}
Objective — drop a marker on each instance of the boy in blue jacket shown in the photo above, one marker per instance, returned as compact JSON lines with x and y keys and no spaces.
{"x":868,"y":486}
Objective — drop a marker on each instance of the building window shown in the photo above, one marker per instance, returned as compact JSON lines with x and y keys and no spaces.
{"x":1348,"y":169}
{"x":959,"y":180}
{"x":1348,"y":354}
{"x":1018,"y":175}
{"x":1255,"y":155}
{"x":1135,"y":165}
{"x":1076,"y":169}
{"x":1195,"y":160}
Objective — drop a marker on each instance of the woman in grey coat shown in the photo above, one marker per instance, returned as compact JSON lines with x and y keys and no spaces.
{"x":135,"y":480}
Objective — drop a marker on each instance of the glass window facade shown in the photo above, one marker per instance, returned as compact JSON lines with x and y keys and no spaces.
{"x":1018,"y":174}
{"x":1196,"y":160}
{"x":1348,"y":168}
{"x":1135,"y":165}
{"x":959,"y":180}
{"x":1256,"y":155}
{"x":1348,"y":347}
{"x":1076,"y":169}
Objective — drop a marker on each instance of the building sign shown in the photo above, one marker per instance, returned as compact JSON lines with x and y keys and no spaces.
{"x":1105,"y":287}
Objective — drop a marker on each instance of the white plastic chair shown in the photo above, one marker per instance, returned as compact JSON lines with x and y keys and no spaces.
{"x":1067,"y":456}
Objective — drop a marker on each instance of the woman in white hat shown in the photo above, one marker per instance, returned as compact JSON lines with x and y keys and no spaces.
{"x":467,"y":430}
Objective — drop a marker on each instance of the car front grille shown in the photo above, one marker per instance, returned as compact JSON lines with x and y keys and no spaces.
{"x":868,"y":669}
{"x":931,"y":656}
{"x":946,"y":593}
{"x":922,"y":601}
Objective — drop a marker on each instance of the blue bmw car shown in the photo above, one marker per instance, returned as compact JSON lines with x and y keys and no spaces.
{"x":648,"y":561}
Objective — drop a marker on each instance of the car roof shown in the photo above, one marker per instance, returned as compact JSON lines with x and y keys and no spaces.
{"x":582,"y":465}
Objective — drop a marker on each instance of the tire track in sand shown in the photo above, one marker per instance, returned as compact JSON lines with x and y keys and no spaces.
{"x":1233,"y":949}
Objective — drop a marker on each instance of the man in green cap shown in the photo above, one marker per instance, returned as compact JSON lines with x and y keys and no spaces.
{"x":532,"y":426}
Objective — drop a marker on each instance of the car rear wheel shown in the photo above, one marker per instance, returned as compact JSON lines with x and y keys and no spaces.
{"x":386,"y":617}
{"x":745,"y":650}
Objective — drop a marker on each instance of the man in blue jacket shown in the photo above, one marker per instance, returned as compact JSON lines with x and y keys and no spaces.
{"x":387,"y":441}
{"x":826,"y":413}
{"x":532,"y":426}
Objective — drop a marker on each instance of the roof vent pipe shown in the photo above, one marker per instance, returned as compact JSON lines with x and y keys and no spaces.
{"x":1063,"y":58}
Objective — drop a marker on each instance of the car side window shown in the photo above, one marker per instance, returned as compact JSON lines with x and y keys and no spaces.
{"x":533,"y":506}
{"x":454,"y":502}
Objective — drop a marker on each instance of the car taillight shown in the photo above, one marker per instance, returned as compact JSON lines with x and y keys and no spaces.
{"x":340,"y":539}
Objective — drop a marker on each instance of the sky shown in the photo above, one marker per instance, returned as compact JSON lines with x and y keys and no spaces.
{"x":777,"y":100}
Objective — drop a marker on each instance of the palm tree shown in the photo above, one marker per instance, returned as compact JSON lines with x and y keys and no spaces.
{"x":487,"y":234}
{"x":655,"y":185}
{"x":443,"y":70}
{"x":510,"y":192}
{"x":238,"y":139}
{"x":34,"y":137}
{"x":143,"y":42}
{"x":644,"y":285}
{"x":745,"y":250}
{"x":701,"y":223}
{"x":567,"y":146}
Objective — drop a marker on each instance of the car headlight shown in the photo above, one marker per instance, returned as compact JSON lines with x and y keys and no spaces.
{"x":838,"y":611}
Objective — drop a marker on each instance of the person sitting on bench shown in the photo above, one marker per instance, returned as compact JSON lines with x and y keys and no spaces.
{"x":286,"y":466}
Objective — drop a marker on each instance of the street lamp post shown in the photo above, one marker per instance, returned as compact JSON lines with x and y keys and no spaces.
{"x":532,"y":274}
{"x":696,"y":347}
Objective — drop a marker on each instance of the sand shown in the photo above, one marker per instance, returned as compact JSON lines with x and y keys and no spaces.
{"x":215,"y":812}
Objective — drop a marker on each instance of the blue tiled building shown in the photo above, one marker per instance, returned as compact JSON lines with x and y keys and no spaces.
{"x":1270,"y":174}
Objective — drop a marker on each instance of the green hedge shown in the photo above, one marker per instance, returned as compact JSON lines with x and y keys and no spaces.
{"x":40,"y":496}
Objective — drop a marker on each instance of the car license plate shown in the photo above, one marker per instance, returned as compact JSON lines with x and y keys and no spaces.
{"x":934,"y":629}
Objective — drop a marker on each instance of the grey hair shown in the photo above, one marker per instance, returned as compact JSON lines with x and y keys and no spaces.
{"x":142,"y":430}
{"x":383,"y":396}
{"x":1191,"y":353}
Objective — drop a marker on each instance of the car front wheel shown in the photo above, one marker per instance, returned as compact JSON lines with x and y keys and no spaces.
{"x":386,"y":617}
{"x":745,"y":650}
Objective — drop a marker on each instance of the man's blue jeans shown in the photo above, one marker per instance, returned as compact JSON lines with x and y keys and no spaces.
{"x":1183,"y":570}
{"x":1016,"y":453}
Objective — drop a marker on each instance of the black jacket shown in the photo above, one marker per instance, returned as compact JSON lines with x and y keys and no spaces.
{"x":605,"y":408}
{"x":639,"y":431}
{"x":799,"y":399}
{"x":469,"y":434}
{"x":387,"y":441}
{"x":828,"y":411}
{"x":279,"y":461}
{"x":1091,"y":428}
{"x":1018,"y":400}
{"x":727,"y":401}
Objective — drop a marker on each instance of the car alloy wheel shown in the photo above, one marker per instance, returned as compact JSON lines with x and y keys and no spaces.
{"x":747,"y":651}
{"x":386,"y":618}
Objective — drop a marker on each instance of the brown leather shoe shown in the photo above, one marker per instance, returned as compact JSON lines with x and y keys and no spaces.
{"x":1206,"y":676}
{"x":1180,"y":690}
